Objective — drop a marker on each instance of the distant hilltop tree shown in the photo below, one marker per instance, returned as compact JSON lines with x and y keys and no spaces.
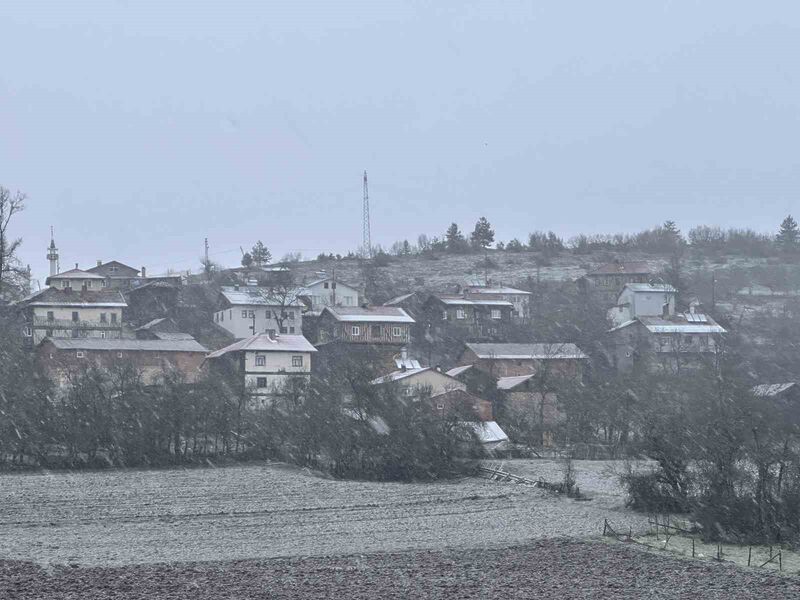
{"x":788,"y":237}
{"x":454,"y":239}
{"x":260,"y":254}
{"x":483,"y":234}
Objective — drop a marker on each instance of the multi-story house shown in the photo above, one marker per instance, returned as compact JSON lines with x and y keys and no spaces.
{"x":558,"y":360}
{"x":66,"y":312}
{"x":606,"y":281}
{"x":64,"y":358}
{"x":383,"y":325}
{"x":643,"y":300}
{"x":266,"y":362}
{"x":664,"y":343}
{"x":328,"y":291}
{"x":520,"y":299}
{"x":248,"y":310}
{"x":476,"y":319}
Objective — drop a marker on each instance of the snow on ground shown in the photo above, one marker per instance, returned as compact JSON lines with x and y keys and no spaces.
{"x":265,"y":511}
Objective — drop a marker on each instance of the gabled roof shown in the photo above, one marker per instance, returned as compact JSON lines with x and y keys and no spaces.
{"x":617,"y":268}
{"x":509,"y":383}
{"x":264,"y":343}
{"x":151,"y":324}
{"x":172,"y":335}
{"x":373,"y":314}
{"x":488,"y":432}
{"x":101,"y":268}
{"x":766,"y":390}
{"x":527,"y":351}
{"x":324,"y":279}
{"x":122,"y":345}
{"x":257,"y":296}
{"x":58,"y":297}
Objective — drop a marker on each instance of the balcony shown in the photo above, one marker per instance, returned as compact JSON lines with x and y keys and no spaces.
{"x":44,"y":322}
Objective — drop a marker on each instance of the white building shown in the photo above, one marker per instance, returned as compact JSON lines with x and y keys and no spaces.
{"x":268,"y":362}
{"x":249,"y":310}
{"x":328,"y":291}
{"x":643,"y":300}
{"x":416,"y":382}
{"x":520,"y":299}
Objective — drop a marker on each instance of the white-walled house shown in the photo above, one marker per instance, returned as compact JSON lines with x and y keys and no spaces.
{"x":328,"y":291}
{"x":73,"y":313}
{"x":268,"y":362}
{"x":248,"y":310}
{"x":643,"y":300}
{"x":414,"y":382}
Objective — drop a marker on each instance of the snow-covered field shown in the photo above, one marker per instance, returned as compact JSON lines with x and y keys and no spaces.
{"x":263,"y":511}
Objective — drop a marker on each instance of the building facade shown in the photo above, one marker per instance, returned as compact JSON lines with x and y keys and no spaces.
{"x":380,"y":325}
{"x":245,"y":311}
{"x":328,"y":291}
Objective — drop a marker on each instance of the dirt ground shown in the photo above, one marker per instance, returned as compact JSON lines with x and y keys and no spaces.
{"x":563,"y":569}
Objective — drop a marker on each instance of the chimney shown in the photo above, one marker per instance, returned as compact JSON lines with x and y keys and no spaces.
{"x":404,"y":354}
{"x":665,"y":310}
{"x":99,"y":263}
{"x":76,"y":266}
{"x":144,"y":273}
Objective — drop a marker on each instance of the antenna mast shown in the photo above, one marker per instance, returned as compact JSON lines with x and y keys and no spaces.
{"x":366,"y":240}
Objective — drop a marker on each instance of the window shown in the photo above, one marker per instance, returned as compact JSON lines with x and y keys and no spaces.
{"x":51,"y":316}
{"x":103,"y":317}
{"x":27,"y":332}
{"x":64,"y":283}
{"x":119,"y":354}
{"x":348,"y":300}
{"x":291,"y":329}
{"x":49,"y":333}
{"x":113,"y":317}
{"x":79,"y":354}
{"x":222,"y":316}
{"x":291,"y":316}
{"x":440,"y":407}
{"x":355,"y":330}
{"x":105,"y":283}
{"x":251,"y":314}
{"x":376,"y":331}
{"x":103,"y":335}
{"x":283,"y":330}
{"x":460,"y":313}
{"x":88,"y":283}
{"x":244,"y":314}
{"x":74,"y":333}
{"x":397,"y":331}
{"x":326,"y":285}
{"x":261,"y":382}
{"x":113,"y":269}
{"x":297,"y":361}
{"x":333,"y":285}
{"x":496,"y":314}
{"x":444,"y":315}
{"x":75,"y":316}
{"x":261,"y":360}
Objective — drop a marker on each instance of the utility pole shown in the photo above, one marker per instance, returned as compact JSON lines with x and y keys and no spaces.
{"x":206,"y":264}
{"x":366,"y":237}
{"x":713,"y":290}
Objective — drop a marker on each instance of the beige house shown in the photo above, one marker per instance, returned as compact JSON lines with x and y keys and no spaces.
{"x":267,"y":363}
{"x":417,"y":382}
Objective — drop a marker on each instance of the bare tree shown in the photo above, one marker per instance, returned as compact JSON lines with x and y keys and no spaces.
{"x":10,"y":205}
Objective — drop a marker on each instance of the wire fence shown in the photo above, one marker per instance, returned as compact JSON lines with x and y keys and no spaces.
{"x":667,"y":531}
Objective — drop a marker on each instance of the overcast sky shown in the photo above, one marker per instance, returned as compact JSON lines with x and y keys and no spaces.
{"x":139,"y":128}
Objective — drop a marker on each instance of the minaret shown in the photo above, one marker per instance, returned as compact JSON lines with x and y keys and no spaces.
{"x":52,"y":254}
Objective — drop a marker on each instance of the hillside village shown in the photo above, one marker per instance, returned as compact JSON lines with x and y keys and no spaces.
{"x":508,"y":340}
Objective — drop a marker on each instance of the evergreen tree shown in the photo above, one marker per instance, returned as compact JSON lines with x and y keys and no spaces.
{"x":788,"y":237}
{"x":260,"y":254}
{"x":483,"y":235}
{"x":247,"y":260}
{"x":454,"y":239}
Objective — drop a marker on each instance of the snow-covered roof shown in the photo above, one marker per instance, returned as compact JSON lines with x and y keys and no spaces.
{"x":488,"y":432}
{"x":527,"y":351}
{"x":641,"y":288}
{"x":498,"y":290}
{"x":408,"y":363}
{"x":679,"y":324}
{"x":264,"y":343}
{"x":455,"y":372}
{"x":246,"y":295}
{"x":398,"y":299}
{"x":172,"y":335}
{"x":75,"y":274}
{"x":120,"y":345}
{"x":766,"y":390}
{"x":398,"y":375}
{"x":376,"y":314}
{"x":150,"y":324}
{"x":101,"y":298}
{"x":466,"y":302}
{"x":337,"y":281}
{"x":509,"y":383}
